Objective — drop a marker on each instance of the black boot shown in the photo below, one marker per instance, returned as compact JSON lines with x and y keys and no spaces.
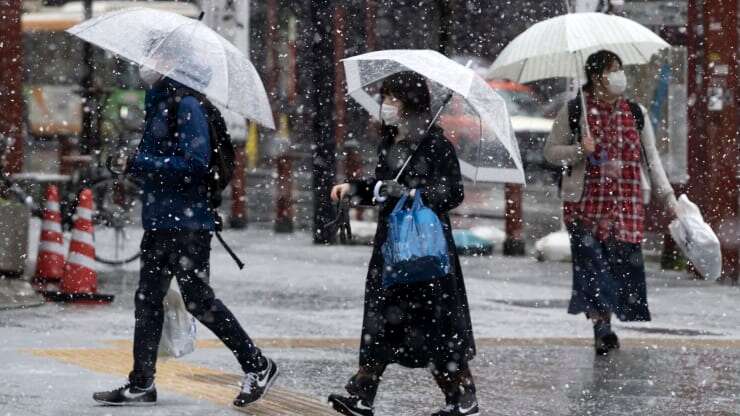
{"x":605,"y":339}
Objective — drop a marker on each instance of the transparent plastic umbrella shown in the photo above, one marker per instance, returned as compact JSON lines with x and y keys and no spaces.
{"x":185,"y":50}
{"x":474,"y":117}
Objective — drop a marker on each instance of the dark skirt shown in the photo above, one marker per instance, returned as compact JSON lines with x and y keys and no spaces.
{"x":416,"y":325}
{"x":608,"y":277}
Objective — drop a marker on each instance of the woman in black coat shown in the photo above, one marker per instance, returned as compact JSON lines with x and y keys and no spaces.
{"x":423,"y":324}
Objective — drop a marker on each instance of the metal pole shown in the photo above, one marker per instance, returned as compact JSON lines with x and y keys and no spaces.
{"x":371,"y":9}
{"x":90,"y":131}
{"x":239,"y":218}
{"x":340,"y":125}
{"x":445,"y":26}
{"x":11,"y":85}
{"x":322,"y":67}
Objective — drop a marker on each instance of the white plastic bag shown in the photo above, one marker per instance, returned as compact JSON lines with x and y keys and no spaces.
{"x":179,"y":330}
{"x":696,"y":239}
{"x":554,"y":247}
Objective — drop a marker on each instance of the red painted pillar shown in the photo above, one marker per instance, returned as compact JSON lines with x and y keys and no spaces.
{"x":238,"y":218}
{"x":11,"y":84}
{"x":284,"y":202}
{"x":713,"y":167}
{"x":514,"y":243}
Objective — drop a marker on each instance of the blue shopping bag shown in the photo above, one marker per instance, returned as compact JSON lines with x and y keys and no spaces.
{"x":415,"y":249}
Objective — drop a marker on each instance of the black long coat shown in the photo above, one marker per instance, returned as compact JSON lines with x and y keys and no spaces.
{"x":424,"y":323}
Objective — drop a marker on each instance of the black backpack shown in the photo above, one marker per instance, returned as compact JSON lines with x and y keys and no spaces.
{"x":221,"y":164}
{"x":575,"y":111}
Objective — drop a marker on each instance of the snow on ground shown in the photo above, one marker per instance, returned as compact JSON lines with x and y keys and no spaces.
{"x":292,"y":288}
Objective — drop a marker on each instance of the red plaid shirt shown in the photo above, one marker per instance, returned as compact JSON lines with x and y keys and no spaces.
{"x":611,"y":205}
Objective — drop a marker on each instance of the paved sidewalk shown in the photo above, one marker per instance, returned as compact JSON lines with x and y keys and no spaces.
{"x":17,"y":293}
{"x":303,"y":305}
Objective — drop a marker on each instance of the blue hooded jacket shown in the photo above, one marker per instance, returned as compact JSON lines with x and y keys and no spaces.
{"x":174,"y":167}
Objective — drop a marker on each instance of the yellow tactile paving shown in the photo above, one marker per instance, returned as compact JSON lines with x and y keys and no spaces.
{"x":207,"y":384}
{"x":268,"y":343}
{"x":197,"y":382}
{"x":320,"y":343}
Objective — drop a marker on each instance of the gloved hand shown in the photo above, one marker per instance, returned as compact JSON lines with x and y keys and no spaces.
{"x":392,"y":189}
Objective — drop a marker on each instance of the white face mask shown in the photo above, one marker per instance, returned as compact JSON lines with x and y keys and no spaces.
{"x":617,"y":82}
{"x":389,"y":115}
{"x":149,"y":76}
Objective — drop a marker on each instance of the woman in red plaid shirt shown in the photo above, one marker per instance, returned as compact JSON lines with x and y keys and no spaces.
{"x":610,"y":161}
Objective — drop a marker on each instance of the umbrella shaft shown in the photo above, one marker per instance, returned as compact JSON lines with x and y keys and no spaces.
{"x":434,"y":120}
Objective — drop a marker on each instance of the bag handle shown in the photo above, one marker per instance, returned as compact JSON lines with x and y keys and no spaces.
{"x":418,"y":204}
{"x":401,"y":203}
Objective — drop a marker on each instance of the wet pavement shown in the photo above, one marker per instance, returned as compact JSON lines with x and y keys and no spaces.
{"x":303,"y":305}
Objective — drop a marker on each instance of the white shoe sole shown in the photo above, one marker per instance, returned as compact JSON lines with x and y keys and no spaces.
{"x":346,"y":409}
{"x":268,"y":386}
{"x":128,"y":404}
{"x":343,"y":406}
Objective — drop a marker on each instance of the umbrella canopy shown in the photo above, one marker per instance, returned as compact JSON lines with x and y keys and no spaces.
{"x":185,"y":50}
{"x":494,"y":156}
{"x":558,"y":47}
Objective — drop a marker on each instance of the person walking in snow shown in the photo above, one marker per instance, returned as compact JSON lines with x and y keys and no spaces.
{"x":419,"y":325}
{"x":610,"y":161}
{"x":172,"y":162}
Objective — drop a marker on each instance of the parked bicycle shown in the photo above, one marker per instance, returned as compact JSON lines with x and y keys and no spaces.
{"x":117,"y":205}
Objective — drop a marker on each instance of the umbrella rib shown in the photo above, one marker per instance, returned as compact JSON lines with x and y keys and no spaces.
{"x":109,"y":16}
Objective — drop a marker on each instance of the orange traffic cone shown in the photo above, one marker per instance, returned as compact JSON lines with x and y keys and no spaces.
{"x":50,"y":260}
{"x":80,"y":281}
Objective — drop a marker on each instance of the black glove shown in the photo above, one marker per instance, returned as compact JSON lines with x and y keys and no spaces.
{"x":392,"y":189}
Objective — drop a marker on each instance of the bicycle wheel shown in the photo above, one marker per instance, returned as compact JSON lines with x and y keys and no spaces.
{"x":117,"y":208}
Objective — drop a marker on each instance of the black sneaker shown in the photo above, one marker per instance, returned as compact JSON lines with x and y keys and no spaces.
{"x":459,"y":410}
{"x":350,"y":406}
{"x":466,"y":406}
{"x":128,"y":395}
{"x":256,"y":385}
{"x":456,"y":410}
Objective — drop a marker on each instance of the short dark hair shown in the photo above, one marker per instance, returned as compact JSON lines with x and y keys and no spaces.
{"x":597,"y":63}
{"x":411,"y":90}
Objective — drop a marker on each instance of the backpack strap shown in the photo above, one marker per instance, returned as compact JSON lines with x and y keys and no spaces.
{"x":210,"y":111}
{"x":575,"y":111}
{"x":640,"y":122}
{"x":637,"y":114}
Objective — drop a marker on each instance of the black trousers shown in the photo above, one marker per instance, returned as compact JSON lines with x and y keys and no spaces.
{"x":185,"y":256}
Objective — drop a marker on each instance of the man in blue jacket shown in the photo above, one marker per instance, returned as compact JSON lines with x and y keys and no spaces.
{"x":172,"y":162}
